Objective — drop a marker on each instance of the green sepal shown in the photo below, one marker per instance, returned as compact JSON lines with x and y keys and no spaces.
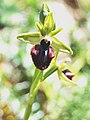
{"x":31,"y":37}
{"x":54,"y":32}
{"x":62,"y":66}
{"x":60,"y":46}
{"x":44,"y":12}
{"x":39,"y":25}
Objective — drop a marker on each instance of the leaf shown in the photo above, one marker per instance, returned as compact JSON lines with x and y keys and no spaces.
{"x":60,"y":46}
{"x":31,"y":37}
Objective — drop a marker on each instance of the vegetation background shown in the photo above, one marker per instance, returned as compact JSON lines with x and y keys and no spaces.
{"x":56,"y":99}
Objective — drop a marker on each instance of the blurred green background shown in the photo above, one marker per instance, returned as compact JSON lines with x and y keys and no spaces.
{"x":56,"y":100}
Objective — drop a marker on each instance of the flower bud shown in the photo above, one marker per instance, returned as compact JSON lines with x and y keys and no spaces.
{"x":43,"y":13}
{"x":68,"y":74}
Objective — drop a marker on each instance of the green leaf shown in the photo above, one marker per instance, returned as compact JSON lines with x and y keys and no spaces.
{"x":60,"y":46}
{"x":31,"y":37}
{"x":49,"y":24}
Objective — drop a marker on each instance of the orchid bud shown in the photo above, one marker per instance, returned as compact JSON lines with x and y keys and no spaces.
{"x":68,"y":74}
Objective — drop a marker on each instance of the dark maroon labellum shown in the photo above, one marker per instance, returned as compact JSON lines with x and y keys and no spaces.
{"x":68,"y":74}
{"x":42,"y":54}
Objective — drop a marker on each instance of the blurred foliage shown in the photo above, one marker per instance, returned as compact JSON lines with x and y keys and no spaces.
{"x":55,"y":100}
{"x":6,"y":114}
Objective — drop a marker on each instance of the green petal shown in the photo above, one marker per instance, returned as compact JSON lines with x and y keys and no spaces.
{"x":60,"y":46}
{"x":31,"y":37}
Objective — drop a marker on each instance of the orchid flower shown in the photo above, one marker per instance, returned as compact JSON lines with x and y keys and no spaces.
{"x":44,"y":53}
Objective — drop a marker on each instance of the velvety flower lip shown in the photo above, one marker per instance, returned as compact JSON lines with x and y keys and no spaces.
{"x":42,"y":54}
{"x":35,"y":50}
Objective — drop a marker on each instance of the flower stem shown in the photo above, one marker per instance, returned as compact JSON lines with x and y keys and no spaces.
{"x":33,"y":91}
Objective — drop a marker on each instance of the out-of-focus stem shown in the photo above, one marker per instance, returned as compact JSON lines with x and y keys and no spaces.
{"x":33,"y":91}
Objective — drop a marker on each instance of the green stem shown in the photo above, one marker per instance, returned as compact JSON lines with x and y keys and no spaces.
{"x":33,"y":91}
{"x":50,"y":71}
